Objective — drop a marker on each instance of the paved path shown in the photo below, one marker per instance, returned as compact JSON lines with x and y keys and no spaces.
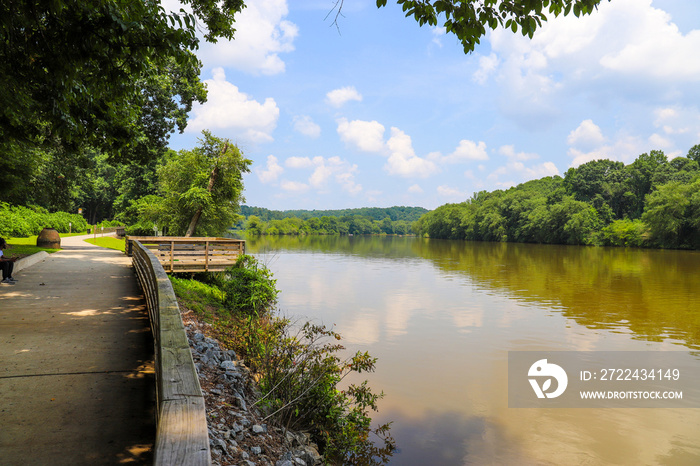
{"x":76,"y":378}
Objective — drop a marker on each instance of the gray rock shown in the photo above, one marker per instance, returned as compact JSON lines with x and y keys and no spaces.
{"x":236,"y":427}
{"x":240,"y":402}
{"x":214,"y":356}
{"x":255,"y":450}
{"x":311,"y":455}
{"x":232,"y":377}
{"x":217,"y":443}
{"x":284,"y":463}
{"x":228,"y":365}
{"x":258,"y":429}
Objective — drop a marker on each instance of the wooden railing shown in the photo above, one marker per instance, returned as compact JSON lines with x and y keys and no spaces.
{"x":179,"y":254}
{"x":182,"y":437}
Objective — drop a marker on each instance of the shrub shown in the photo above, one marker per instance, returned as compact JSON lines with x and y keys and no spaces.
{"x":300,"y":378}
{"x":249,"y":287}
{"x":300,"y":372}
{"x":23,"y":221}
{"x":624,"y":233}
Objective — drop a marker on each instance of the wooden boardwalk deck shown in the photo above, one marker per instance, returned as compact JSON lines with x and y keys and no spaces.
{"x":195,"y":254}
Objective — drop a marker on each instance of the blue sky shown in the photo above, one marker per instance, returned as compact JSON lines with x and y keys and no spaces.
{"x":382,"y":112}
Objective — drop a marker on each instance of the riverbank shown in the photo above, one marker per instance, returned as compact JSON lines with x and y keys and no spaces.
{"x":239,"y":434}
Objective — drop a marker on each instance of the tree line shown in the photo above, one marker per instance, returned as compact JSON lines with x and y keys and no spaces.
{"x":651,"y":202}
{"x":409,"y":214}
{"x":350,"y":224}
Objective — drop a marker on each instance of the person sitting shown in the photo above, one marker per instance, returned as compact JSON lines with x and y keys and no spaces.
{"x":6,"y":264}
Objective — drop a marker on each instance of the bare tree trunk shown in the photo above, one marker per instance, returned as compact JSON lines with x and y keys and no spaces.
{"x":212,"y":180}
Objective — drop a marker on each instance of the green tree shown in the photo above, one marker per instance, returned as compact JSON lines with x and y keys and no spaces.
{"x":641,"y":176}
{"x":694,"y":153}
{"x":672,"y":215}
{"x":88,"y":68}
{"x":202,"y":188}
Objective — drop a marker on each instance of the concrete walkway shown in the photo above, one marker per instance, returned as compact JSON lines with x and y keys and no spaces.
{"x":76,"y":362}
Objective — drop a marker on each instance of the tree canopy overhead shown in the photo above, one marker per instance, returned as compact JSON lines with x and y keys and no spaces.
{"x":468,"y":19}
{"x":90,"y":70}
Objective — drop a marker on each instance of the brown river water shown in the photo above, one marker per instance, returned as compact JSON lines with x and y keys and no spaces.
{"x":441,"y":316}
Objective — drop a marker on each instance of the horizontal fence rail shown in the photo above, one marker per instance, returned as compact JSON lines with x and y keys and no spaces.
{"x":182,"y":436}
{"x":185,"y":254}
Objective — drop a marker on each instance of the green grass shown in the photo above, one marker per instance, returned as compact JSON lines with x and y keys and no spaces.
{"x":109,"y":242}
{"x":203,"y":299}
{"x":22,"y":247}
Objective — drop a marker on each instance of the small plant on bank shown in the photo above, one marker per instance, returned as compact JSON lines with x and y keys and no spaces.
{"x":301,"y":375}
{"x":249,"y":287}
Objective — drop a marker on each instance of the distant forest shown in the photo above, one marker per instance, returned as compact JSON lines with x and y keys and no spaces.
{"x":365,"y":220}
{"x":652,"y":202}
{"x":410,"y":214}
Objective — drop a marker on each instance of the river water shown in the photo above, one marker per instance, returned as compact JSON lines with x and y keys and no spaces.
{"x":441,"y":316}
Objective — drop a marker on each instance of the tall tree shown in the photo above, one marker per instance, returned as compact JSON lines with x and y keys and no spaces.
{"x":202,"y":188}
{"x":85,"y":67}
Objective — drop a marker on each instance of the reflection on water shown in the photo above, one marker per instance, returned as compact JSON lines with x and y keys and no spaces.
{"x":442,"y":315}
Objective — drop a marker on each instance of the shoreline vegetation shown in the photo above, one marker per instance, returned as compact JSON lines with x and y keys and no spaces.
{"x":362,"y":221}
{"x":652,"y":202}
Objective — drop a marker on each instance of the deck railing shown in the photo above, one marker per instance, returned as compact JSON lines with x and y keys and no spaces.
{"x":182,"y":437}
{"x":185,"y":254}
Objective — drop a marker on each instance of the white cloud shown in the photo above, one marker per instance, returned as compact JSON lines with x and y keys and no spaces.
{"x":587,"y":135}
{"x":626,"y":49}
{"x":339,"y":97}
{"x":272,"y":171}
{"x":306,"y":126}
{"x":679,"y":121}
{"x":542,"y":170}
{"x":654,"y":46}
{"x":403,"y":160}
{"x":298,"y":162}
{"x":415,"y":189}
{"x":659,"y":142}
{"x":452,"y":193}
{"x":467,"y":151}
{"x":228,"y":108}
{"x":327,"y":169}
{"x":515,"y":170}
{"x":294,"y":186}
{"x":367,"y":136}
{"x":438,"y":33}
{"x":487,"y":66}
{"x":261,"y":35}
{"x":624,"y":148}
{"x":509,"y":151}
{"x":347,"y":182}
